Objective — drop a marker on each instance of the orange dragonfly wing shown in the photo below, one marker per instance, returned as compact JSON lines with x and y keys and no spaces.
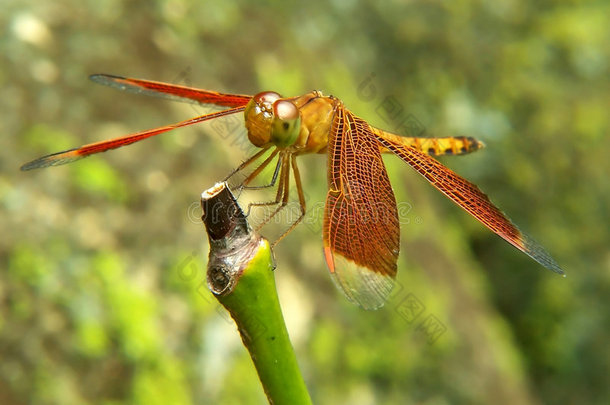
{"x":171,"y":91}
{"x":71,"y":155}
{"x":361,"y":228}
{"x":470,"y":198}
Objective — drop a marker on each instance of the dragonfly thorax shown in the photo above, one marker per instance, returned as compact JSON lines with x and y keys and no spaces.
{"x":272,"y":119}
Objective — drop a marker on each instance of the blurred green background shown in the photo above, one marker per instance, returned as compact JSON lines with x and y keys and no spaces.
{"x":102,"y":261}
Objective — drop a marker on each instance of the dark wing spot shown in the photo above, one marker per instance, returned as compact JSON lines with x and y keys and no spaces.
{"x":431,"y":151}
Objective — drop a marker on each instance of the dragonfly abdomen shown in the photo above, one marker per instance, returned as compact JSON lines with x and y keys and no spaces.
{"x":451,"y":145}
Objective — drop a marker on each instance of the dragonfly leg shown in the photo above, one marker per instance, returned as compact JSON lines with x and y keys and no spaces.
{"x":282,"y":194}
{"x":246,"y":163}
{"x":285,"y":162}
{"x":303,"y":209}
{"x":278,"y":196}
{"x":244,"y":184}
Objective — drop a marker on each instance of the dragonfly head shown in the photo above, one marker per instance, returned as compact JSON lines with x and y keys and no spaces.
{"x":270,"y":118}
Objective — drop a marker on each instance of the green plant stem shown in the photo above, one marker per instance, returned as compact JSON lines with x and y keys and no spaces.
{"x":240,"y":274}
{"x":254,"y":306}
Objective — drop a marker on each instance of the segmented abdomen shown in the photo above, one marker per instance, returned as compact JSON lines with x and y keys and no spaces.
{"x":452,"y":145}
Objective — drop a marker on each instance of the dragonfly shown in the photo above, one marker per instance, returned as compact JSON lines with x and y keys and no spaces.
{"x":361,"y":231}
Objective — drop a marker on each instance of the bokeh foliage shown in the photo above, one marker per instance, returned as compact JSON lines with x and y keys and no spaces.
{"x":102,"y":262}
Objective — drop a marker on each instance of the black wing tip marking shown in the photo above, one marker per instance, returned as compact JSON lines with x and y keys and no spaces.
{"x":538,"y":253}
{"x":49,"y":160}
{"x":103,"y":77}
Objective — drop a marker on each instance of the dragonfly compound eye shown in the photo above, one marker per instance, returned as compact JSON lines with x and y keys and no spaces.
{"x":266,"y":97}
{"x":286,"y":123}
{"x":262,"y":103}
{"x":258,"y":115}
